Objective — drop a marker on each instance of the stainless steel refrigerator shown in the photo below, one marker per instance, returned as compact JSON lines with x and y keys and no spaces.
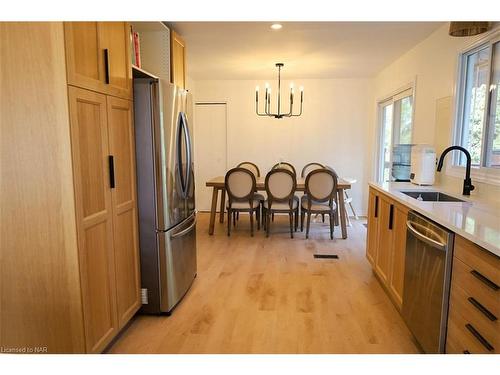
{"x":165,"y":192}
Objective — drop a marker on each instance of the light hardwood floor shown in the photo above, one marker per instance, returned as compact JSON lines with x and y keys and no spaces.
{"x":269,"y":295}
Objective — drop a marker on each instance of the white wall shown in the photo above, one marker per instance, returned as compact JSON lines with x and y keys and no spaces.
{"x":433,"y":63}
{"x":332,"y":129}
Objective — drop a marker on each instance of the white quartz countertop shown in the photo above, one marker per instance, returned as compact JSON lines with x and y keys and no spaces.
{"x":474,"y":219}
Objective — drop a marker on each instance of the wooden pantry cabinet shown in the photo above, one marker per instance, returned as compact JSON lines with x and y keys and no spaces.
{"x":386,"y":242}
{"x":69,"y":239}
{"x":98,"y":57}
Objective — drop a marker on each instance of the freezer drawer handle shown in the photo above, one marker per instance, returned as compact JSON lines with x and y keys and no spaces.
{"x":485,"y":280}
{"x":427,"y":240}
{"x":480,"y":338}
{"x":184,"y":231}
{"x":481,"y":308}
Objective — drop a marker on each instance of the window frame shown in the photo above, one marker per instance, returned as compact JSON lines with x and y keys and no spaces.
{"x":383,"y":102}
{"x":480,"y":173}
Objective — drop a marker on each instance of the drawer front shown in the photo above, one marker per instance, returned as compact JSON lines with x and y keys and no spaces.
{"x":470,"y":310}
{"x":461,"y":339}
{"x":486,"y":264}
{"x":463,"y":277}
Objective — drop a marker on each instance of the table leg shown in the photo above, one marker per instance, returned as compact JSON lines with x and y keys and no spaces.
{"x":222,"y":205}
{"x":213,"y":212}
{"x":342,"y":213}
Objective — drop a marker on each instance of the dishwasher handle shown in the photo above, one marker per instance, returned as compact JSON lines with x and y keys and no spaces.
{"x":430,"y":241}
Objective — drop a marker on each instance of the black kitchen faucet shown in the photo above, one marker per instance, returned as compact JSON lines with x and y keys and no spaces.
{"x":468,"y":187}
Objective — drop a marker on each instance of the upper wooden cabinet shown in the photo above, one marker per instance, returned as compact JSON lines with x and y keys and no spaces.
{"x":98,"y":57}
{"x":178,"y":59}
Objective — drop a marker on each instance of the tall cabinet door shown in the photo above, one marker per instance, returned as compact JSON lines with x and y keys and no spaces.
{"x":385,"y":240}
{"x":114,"y":39}
{"x":89,"y":139}
{"x":373,"y":218}
{"x":124,"y":203}
{"x":396,"y":281}
{"x":84,"y":55}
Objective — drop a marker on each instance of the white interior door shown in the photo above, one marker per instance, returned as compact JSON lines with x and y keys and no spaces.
{"x":210,"y":149}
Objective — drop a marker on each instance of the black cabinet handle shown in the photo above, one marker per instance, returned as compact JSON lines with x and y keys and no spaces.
{"x":106,"y":66}
{"x":376,"y":205}
{"x":111,"y":162}
{"x":466,"y":351}
{"x":485,"y":280}
{"x":391,"y":216}
{"x":479,"y":338}
{"x":481,"y":308}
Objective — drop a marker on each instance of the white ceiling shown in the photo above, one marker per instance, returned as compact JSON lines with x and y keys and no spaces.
{"x":249,"y":50}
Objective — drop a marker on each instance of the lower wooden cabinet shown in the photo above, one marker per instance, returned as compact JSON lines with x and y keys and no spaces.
{"x":386,"y":242}
{"x":474,"y":310}
{"x":104,"y":177}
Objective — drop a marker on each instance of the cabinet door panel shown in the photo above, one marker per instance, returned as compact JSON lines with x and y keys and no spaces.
{"x":178,"y":73}
{"x":383,"y":257}
{"x":89,"y":140}
{"x":114,"y":36}
{"x":84,"y":60}
{"x":372,"y":235}
{"x":124,"y":204}
{"x":398,"y":254}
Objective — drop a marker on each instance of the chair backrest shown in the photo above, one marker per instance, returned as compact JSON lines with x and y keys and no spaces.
{"x":321,"y":185}
{"x":251,"y":167}
{"x":240,"y":185}
{"x":310,"y":167}
{"x":285,"y":165}
{"x":280,"y":186}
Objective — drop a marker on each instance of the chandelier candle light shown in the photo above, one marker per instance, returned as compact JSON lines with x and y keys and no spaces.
{"x":267,"y":101}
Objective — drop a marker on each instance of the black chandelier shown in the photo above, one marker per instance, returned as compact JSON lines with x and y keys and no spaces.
{"x":267,"y":103}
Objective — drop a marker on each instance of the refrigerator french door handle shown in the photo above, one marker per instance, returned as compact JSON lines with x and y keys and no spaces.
{"x":188,"y":153}
{"x":180,"y":129}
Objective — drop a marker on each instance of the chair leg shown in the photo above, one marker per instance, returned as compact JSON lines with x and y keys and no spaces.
{"x":331,"y":224}
{"x":257,"y":216}
{"x":251,"y":223}
{"x":308,"y":225}
{"x":296,"y":219}
{"x":238,"y":215}
{"x":228,"y":222}
{"x":290,"y":216}
{"x":234,"y":219}
{"x":347,"y":218}
{"x":268,"y":223}
{"x":302,"y":213}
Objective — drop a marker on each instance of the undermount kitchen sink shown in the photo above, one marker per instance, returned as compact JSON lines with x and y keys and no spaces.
{"x":431,"y":196}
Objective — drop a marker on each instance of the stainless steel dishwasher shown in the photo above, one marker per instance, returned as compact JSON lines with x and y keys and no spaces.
{"x":427,"y":281}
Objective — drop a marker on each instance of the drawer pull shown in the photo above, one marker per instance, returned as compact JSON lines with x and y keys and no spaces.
{"x":466,"y":351}
{"x":480,"y":338}
{"x":481,"y":308}
{"x":485,"y":280}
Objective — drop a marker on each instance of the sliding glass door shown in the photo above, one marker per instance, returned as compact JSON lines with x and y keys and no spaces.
{"x":395,"y":125}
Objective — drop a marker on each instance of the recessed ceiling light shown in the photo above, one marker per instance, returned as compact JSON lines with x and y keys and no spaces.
{"x":276,"y":26}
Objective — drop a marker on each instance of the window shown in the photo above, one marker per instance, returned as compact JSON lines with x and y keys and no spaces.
{"x":396,"y":119}
{"x":479,"y":105}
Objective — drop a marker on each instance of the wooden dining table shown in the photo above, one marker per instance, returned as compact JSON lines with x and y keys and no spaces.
{"x":217,"y":184}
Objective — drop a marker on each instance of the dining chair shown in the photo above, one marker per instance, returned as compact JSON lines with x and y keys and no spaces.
{"x":240,"y":186}
{"x":280,"y":186}
{"x":285,"y":165}
{"x":310,"y":167}
{"x":321,"y":189}
{"x":252,"y":167}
